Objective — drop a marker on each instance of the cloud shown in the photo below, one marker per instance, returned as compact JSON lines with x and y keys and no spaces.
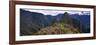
{"x":55,"y":12}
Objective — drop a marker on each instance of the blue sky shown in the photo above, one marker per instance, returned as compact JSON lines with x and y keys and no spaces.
{"x":55,"y":12}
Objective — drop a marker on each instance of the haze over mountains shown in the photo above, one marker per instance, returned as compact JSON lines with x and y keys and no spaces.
{"x":35,"y":23}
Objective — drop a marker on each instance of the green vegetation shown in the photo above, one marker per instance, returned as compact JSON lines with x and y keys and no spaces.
{"x":64,"y":26}
{"x":58,"y":28}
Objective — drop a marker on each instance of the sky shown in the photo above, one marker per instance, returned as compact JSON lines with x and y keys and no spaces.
{"x":55,"y":12}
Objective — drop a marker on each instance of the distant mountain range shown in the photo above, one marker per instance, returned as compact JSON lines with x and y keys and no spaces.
{"x":34,"y":21}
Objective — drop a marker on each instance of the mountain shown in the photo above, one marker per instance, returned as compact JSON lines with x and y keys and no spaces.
{"x":78,"y":21}
{"x":84,"y":20}
{"x":33,"y":22}
{"x":61,"y":25}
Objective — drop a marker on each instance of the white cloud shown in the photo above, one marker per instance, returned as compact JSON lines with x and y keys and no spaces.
{"x":55,"y":12}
